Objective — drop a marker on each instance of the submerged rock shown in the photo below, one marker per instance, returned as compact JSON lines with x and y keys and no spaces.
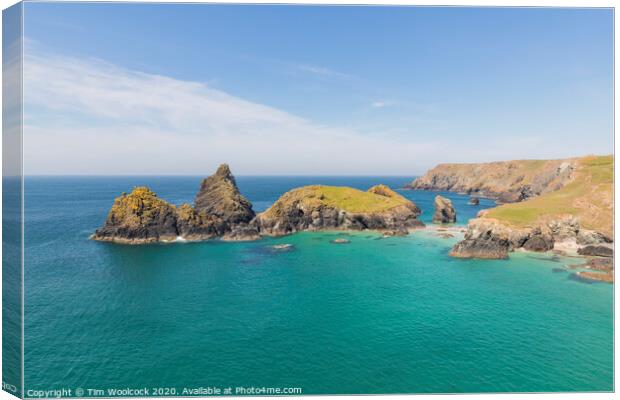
{"x":596,"y":276}
{"x":444,"y":211}
{"x":340,"y":241}
{"x":474,"y":201}
{"x":600,"y":264}
{"x":284,"y":246}
{"x":390,"y":233}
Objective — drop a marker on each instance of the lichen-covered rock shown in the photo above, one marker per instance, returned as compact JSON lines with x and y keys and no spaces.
{"x":220,"y":197}
{"x":139,"y":217}
{"x":328,"y":207}
{"x":194,"y":225}
{"x":142,"y":217}
{"x":444,"y":211}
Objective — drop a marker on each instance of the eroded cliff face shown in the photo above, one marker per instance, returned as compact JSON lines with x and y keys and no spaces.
{"x":506,"y":181}
{"x":323,"y":207}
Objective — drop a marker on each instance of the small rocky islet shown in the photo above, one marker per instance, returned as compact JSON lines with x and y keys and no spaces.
{"x":543,"y":205}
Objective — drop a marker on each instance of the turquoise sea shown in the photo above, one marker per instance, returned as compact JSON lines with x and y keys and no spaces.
{"x":377,"y":315}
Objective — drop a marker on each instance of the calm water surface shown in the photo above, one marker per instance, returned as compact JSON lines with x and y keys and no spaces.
{"x":393,"y":315}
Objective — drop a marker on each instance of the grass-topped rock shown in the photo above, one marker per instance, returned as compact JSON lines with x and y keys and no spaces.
{"x":330,"y":207}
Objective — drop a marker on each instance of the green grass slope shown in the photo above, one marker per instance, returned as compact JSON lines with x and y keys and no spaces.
{"x":377,"y":199}
{"x":589,"y":197}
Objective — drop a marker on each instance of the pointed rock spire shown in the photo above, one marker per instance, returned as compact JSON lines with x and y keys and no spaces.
{"x":219,"y":196}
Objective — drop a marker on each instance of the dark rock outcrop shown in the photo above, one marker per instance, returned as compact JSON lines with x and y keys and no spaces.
{"x":220,"y":197}
{"x":538,"y":241}
{"x":474,"y":201}
{"x":484,"y":235}
{"x":444,"y":211}
{"x":489,"y":247}
{"x":594,"y":250}
{"x":488,"y":238}
{"x":195,"y":225}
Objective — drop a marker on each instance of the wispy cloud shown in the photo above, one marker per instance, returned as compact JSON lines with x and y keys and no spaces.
{"x":382,"y":104}
{"x":322,"y":71}
{"x":86,"y":116}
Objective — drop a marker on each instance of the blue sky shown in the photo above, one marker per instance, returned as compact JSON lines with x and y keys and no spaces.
{"x":309,"y":89}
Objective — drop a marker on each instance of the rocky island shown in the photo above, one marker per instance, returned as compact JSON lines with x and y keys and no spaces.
{"x":328,"y":207}
{"x":220,"y":211}
{"x":444,"y":211}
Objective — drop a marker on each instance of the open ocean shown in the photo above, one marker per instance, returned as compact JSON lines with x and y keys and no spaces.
{"x":393,"y":315}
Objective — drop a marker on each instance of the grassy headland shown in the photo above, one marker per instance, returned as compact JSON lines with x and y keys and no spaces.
{"x":589,"y":197}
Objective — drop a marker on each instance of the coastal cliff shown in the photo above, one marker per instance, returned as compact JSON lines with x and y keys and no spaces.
{"x":578,"y":215}
{"x":328,"y":207}
{"x":506,"y":181}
